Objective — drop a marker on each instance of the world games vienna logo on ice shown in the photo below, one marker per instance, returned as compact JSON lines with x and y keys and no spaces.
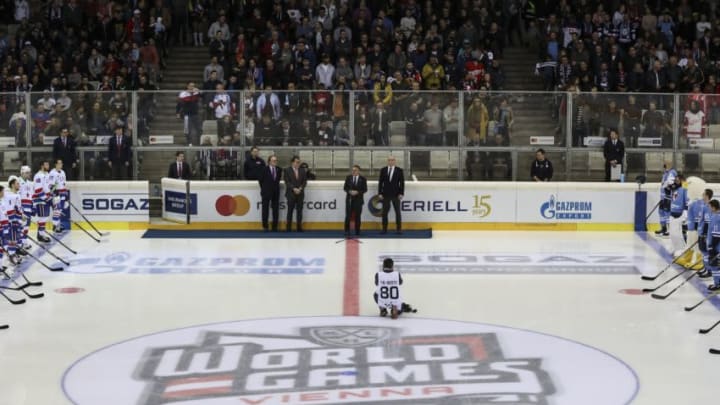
{"x":349,"y":360}
{"x":554,"y":209}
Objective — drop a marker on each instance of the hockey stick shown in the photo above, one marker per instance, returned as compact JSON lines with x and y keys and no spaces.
{"x":7,"y":276}
{"x":87,"y":220}
{"x":4,"y":326}
{"x":662,"y":297}
{"x":86,"y":232}
{"x":49,"y":251}
{"x":27,"y":282}
{"x":701,"y":302}
{"x":706,"y":331}
{"x":43,"y":263}
{"x":651,"y":278}
{"x":714,"y":351}
{"x":12,"y":301}
{"x":61,"y":243}
{"x":647,"y":290}
{"x":651,"y":212}
{"x":21,"y":288}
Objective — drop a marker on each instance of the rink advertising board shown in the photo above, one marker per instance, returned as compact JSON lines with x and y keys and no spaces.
{"x":111,"y":201}
{"x":424,"y":204}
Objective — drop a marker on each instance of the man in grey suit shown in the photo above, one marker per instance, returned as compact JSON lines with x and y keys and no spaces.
{"x":391,"y":187}
{"x":295,"y":181}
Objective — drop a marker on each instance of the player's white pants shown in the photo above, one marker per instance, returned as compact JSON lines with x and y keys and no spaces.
{"x":676,"y":236}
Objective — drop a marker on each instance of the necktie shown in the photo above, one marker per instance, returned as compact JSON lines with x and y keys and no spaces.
{"x":296,"y":173}
{"x":354,"y":180}
{"x":119,"y":141}
{"x":179,"y":170}
{"x":390,"y":173}
{"x":272,"y":170}
{"x":65,"y":142}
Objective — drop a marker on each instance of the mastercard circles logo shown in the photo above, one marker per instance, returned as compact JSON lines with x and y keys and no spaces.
{"x":227,"y":205}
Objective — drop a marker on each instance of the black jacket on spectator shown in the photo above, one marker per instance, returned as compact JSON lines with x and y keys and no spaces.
{"x":66,"y":152}
{"x":614,"y":152}
{"x":543,"y":170}
{"x":252,"y":168}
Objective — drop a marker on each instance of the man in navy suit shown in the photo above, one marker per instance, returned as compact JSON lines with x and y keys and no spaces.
{"x":295,"y":183}
{"x":355,"y":188}
{"x":64,"y":149}
{"x":179,"y":169}
{"x":391,"y":188}
{"x":270,"y":192}
{"x":119,"y":154}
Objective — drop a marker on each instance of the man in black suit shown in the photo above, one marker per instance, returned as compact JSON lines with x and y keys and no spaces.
{"x":270,"y":192}
{"x":614,"y":152}
{"x":380,"y":123}
{"x":254,"y":164}
{"x":179,"y":169}
{"x":64,"y":149}
{"x":391,"y":187}
{"x":295,"y":182}
{"x":355,"y":188}
{"x":119,"y":154}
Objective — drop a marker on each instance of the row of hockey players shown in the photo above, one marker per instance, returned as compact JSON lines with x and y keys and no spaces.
{"x":25,"y":198}
{"x":691,"y":217}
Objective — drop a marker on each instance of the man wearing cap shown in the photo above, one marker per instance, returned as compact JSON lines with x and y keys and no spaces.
{"x":135,"y":28}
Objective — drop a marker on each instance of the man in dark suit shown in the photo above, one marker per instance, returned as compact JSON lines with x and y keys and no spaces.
{"x":391,"y":188}
{"x":270,"y":192}
{"x":179,"y":169}
{"x":614,"y":152}
{"x":355,"y":188}
{"x":295,"y":182}
{"x":64,"y":149}
{"x":380,"y":123}
{"x":119,"y":154}
{"x":254,"y":164}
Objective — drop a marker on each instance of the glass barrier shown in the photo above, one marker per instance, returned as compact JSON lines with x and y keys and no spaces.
{"x":476,"y":135}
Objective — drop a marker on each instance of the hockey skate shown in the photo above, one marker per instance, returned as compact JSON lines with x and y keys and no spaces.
{"x":59,"y":229}
{"x":383,"y":312}
{"x":43,"y":238}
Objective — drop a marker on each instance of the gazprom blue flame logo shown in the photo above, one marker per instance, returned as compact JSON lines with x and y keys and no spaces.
{"x":547,"y":210}
{"x":566,"y":209}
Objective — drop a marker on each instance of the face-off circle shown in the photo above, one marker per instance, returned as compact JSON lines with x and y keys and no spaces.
{"x":338,"y":360}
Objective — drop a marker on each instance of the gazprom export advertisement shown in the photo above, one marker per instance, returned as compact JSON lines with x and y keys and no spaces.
{"x":438,"y":202}
{"x":111,"y":201}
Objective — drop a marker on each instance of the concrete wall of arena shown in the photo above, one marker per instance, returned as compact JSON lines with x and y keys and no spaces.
{"x":440,"y":205}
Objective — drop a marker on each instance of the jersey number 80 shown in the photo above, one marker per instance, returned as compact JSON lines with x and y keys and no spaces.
{"x":389,"y":292}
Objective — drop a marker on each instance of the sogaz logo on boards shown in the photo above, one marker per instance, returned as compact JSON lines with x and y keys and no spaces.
{"x":514,"y":263}
{"x":188,"y":263}
{"x":349,"y":360}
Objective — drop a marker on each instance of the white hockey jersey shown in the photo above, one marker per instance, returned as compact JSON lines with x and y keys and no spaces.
{"x":26,"y":191}
{"x":388,"y":289}
{"x":12,"y":206}
{"x":41,"y":186}
{"x":56,"y":180}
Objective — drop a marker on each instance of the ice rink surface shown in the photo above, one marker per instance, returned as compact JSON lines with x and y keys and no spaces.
{"x":503,"y":317}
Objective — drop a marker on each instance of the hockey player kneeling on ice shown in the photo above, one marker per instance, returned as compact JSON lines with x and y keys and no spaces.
{"x":387,"y":295}
{"x":678,"y":214}
{"x":713,"y":245}
{"x":692,"y":258}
